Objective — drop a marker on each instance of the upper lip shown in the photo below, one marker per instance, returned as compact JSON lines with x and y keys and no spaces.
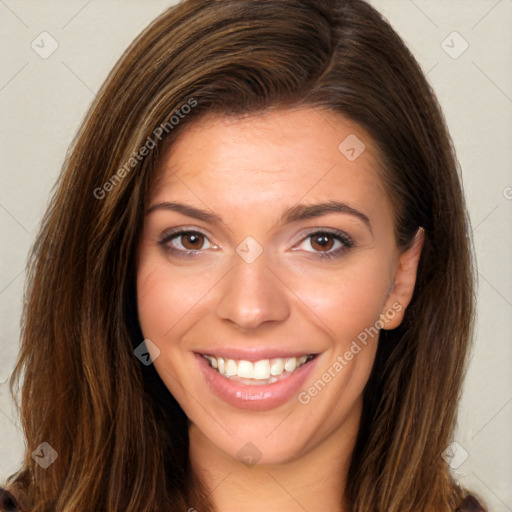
{"x":253,"y":354}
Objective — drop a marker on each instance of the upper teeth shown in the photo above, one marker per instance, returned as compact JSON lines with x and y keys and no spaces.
{"x":259,"y":370}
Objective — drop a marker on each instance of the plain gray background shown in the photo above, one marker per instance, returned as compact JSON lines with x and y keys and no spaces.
{"x":42,"y":101}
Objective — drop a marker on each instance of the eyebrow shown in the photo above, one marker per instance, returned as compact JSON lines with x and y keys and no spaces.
{"x":185,"y":209}
{"x":293,"y":214}
{"x":309,"y":211}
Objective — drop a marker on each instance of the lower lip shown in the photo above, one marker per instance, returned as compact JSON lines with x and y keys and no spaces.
{"x":255,"y":397}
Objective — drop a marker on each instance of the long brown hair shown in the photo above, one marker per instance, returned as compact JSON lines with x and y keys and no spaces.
{"x":121,"y":439}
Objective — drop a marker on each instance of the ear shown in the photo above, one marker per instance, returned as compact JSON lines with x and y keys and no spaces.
{"x":402,"y":288}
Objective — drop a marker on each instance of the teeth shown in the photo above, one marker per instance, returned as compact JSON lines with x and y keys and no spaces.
{"x":257,"y":370}
{"x":277,"y":367}
{"x":290,"y":364}
{"x":261,"y":369}
{"x":231,"y":367}
{"x":245,"y":369}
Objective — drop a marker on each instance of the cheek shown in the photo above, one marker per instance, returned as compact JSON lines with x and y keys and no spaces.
{"x":168,"y":299}
{"x":166,"y":295}
{"x":347,"y":300}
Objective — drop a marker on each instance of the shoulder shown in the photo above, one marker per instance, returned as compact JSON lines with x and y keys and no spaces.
{"x":7,"y":501}
{"x":10,"y":503}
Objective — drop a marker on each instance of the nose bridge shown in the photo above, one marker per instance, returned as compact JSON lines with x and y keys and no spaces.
{"x":251,"y":294}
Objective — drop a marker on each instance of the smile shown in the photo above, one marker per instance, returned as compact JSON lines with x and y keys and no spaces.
{"x":258,"y":384}
{"x":263,"y":370}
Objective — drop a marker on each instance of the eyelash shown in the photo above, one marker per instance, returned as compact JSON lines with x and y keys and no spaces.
{"x":340,"y":236}
{"x":166,"y":237}
{"x":334,"y":233}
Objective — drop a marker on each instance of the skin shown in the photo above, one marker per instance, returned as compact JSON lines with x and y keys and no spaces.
{"x":249,"y":171}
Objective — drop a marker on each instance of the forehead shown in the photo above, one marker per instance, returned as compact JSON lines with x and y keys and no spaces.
{"x":273,"y":159}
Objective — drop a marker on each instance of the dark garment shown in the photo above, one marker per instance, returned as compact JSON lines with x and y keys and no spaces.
{"x":9,"y":504}
{"x":471,"y":504}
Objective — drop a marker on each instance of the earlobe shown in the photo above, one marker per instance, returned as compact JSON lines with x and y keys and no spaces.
{"x":401,"y":291}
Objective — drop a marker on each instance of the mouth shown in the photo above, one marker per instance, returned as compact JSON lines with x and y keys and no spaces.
{"x":256,"y":383}
{"x":263,"y":371}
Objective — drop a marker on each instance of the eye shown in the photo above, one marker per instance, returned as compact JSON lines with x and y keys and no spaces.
{"x":185,"y":241}
{"x":326,"y":243}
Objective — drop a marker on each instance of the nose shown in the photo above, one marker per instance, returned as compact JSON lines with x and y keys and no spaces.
{"x":252,"y":295}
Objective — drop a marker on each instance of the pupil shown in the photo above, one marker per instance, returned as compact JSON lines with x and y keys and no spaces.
{"x":324,"y":241}
{"x":193,"y":240}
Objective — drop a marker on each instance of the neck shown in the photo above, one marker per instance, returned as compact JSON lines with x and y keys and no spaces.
{"x":314,"y":481}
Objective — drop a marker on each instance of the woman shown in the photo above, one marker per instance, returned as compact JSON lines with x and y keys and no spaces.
{"x":263,"y":202}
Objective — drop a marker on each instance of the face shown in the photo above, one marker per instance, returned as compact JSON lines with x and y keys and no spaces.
{"x":266,"y":265}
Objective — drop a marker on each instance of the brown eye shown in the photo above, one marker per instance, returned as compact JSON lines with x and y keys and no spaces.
{"x":326,"y":244}
{"x":192,"y":241}
{"x":185,"y":242}
{"x":322,"y":241}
